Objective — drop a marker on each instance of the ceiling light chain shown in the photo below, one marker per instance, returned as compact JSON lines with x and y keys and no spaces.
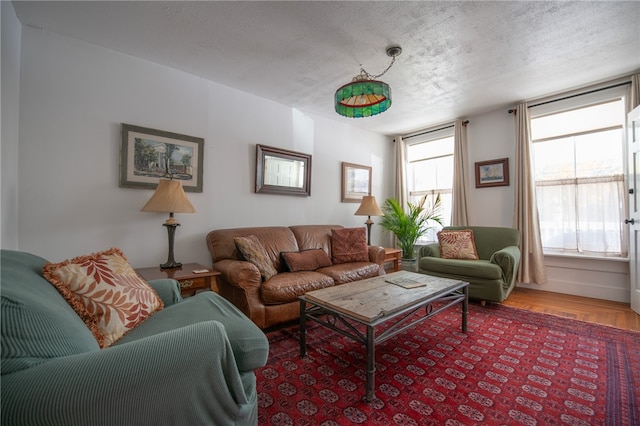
{"x":368,"y":76}
{"x":365,"y":96}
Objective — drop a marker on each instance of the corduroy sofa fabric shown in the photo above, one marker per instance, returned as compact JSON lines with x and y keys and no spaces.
{"x":192,"y":365}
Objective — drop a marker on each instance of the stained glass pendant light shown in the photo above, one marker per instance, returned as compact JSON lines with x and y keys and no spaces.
{"x":365,"y":96}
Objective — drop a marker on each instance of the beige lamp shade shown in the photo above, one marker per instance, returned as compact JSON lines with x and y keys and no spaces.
{"x":169,"y":198}
{"x":368,"y":207}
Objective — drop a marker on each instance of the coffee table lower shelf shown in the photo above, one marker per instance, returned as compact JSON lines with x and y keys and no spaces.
{"x":343,"y":323}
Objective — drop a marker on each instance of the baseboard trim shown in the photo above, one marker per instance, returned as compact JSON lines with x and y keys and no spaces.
{"x":582,"y":289}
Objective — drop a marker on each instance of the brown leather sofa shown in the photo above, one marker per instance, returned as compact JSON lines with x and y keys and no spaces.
{"x":275,"y":301}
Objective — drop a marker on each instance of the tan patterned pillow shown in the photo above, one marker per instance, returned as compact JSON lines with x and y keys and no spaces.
{"x":457,"y":244}
{"x":349,"y":245}
{"x":254,"y":252}
{"x":306,"y":260}
{"x":106,"y":292}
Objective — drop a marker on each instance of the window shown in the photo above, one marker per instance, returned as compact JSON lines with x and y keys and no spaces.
{"x":430,"y":172}
{"x":579,"y":174}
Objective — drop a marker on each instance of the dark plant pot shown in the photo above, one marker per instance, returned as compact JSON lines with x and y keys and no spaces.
{"x":410,"y":265}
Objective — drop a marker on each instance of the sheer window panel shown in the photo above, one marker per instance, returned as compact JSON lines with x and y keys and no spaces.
{"x":576,"y":217}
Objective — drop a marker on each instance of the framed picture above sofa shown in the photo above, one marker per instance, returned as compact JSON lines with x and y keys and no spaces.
{"x":148,"y":155}
{"x":280,"y":171}
{"x":356,"y":182}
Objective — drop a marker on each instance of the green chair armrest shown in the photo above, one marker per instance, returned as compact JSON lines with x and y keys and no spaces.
{"x":168,"y":290}
{"x":430,"y":250}
{"x":508,"y":260}
{"x":184,"y":376}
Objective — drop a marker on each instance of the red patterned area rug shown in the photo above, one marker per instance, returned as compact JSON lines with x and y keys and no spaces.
{"x":513,"y":367}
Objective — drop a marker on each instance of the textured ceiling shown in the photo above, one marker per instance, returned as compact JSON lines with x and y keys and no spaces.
{"x":458,"y":59}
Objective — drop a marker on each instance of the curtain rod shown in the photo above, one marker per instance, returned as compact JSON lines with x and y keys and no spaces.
{"x":464,"y":123}
{"x":513,"y":110}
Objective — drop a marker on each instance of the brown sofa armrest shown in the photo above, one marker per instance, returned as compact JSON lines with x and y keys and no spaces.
{"x":239,"y":273}
{"x":377,"y":255}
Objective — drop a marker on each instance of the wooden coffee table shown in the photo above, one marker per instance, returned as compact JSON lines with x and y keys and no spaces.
{"x":375,"y":301}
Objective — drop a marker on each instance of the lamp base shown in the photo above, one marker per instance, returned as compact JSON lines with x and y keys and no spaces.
{"x":171,"y":262}
{"x":368,"y":222}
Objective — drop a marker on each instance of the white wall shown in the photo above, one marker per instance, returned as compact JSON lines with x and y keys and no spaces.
{"x":10,"y":89}
{"x":74,"y":96}
{"x":491,"y":136}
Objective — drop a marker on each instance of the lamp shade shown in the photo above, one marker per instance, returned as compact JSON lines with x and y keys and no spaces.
{"x":363,"y":98}
{"x":368,"y":207}
{"x":169,"y":198}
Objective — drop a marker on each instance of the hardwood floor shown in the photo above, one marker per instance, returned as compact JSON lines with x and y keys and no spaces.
{"x":581,"y":308}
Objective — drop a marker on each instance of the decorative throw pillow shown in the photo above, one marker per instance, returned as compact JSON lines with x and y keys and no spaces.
{"x":254,"y":252}
{"x":457,"y":244}
{"x":306,"y":260}
{"x":105,"y":291}
{"x":349,"y":245}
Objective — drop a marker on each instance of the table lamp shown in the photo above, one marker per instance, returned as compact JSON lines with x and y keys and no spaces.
{"x":169,"y":198}
{"x":368,"y":207}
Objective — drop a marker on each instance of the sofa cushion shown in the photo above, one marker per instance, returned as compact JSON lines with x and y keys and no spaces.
{"x":306,"y":260}
{"x":249,"y":344}
{"x":288,"y":286}
{"x":254,"y":252}
{"x":457,"y":244}
{"x":37,"y":323}
{"x":349,"y":245}
{"x":105,"y":291}
{"x":480,"y":269}
{"x":347,"y":272}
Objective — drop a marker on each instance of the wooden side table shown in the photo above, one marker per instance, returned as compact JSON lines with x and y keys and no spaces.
{"x":393,"y":255}
{"x":190,"y":282}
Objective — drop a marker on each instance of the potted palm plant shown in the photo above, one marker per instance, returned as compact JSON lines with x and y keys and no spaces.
{"x":410,"y":224}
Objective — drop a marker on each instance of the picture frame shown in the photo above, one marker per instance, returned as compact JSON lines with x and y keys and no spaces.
{"x":356,"y":182}
{"x":492,"y":173}
{"x":284,"y":172}
{"x":144,"y":160}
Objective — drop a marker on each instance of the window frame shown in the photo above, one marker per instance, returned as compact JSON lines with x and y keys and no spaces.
{"x":576,"y":102}
{"x":445,"y":193}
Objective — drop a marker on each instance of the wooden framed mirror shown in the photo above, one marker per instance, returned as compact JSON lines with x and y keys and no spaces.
{"x":280,"y":171}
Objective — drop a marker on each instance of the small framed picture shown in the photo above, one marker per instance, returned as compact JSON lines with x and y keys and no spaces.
{"x":148,"y":155}
{"x":492,"y":173}
{"x":356,"y":182}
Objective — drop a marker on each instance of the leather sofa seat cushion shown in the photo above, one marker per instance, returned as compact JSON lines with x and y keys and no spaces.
{"x":470,"y":268}
{"x":347,"y":272}
{"x":288,"y":286}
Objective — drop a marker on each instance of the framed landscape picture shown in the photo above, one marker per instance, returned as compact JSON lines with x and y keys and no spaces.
{"x":148,"y":155}
{"x":492,"y":173}
{"x":356,"y":182}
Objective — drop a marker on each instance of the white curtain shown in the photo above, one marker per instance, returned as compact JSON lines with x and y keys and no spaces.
{"x":401,"y":193}
{"x":525,"y":217}
{"x":459,"y":202}
{"x":563,"y":199}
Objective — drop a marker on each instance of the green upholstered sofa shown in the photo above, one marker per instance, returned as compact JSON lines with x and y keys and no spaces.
{"x":493,"y":276}
{"x":192,"y":363}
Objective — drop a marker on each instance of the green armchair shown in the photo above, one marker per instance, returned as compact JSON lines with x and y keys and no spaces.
{"x":191,"y":363}
{"x":493,"y":276}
